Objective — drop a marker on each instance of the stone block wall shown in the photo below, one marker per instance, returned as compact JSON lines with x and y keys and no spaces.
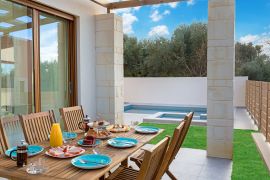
{"x":220,"y":78}
{"x":109,"y":67}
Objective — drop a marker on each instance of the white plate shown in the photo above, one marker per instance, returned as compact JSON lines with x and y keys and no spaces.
{"x":65,"y":157}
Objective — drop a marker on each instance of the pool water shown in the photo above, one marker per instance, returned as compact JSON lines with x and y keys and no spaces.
{"x":168,"y":112}
{"x":175,"y":116}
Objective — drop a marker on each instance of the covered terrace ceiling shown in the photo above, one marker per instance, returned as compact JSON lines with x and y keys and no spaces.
{"x":110,"y":5}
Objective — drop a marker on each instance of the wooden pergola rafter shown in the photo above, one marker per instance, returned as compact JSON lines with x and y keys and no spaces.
{"x":132,"y":3}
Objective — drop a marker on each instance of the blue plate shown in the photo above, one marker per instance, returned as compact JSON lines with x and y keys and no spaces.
{"x":146,"y":129}
{"x":32,"y":150}
{"x":69,"y":135}
{"x":91,"y":161}
{"x":80,"y":142}
{"x":122,"y":142}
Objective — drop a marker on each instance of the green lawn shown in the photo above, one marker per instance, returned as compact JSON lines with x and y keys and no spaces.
{"x":247,"y":163}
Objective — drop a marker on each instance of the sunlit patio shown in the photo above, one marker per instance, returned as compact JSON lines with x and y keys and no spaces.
{"x":67,"y":112}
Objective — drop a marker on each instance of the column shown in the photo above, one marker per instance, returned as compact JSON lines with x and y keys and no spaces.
{"x":220,"y":78}
{"x":109,"y":67}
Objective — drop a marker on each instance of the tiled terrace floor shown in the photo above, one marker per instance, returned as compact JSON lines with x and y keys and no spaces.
{"x":193,"y":164}
{"x":242,"y":120}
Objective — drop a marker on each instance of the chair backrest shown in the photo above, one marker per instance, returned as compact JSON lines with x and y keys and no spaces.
{"x":11,"y":130}
{"x":2,"y":146}
{"x":152,"y":160}
{"x":177,"y":140}
{"x":37,"y":126}
{"x":72,"y":116}
{"x":188,"y":119}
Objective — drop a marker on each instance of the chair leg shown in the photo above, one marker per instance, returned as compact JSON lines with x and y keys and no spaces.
{"x":125,"y":163}
{"x":169,"y":173}
{"x":138,"y":163}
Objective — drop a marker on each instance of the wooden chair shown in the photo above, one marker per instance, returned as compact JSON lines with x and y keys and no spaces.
{"x":177,"y":140}
{"x":11,"y":131}
{"x":72,"y":116}
{"x":37,"y":126}
{"x":150,"y":166}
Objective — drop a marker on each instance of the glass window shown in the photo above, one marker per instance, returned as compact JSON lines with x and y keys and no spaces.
{"x":53,"y":63}
{"x":16,"y":55}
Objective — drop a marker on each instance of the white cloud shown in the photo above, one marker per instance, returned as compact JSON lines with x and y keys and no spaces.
{"x":50,"y":52}
{"x":262,"y":39}
{"x":160,"y":30}
{"x":128,"y":20}
{"x":173,"y":4}
{"x":48,"y":44}
{"x":156,"y":16}
{"x":248,"y":38}
{"x":190,"y":2}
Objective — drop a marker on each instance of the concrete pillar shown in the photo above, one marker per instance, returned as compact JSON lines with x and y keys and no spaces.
{"x":220,"y":78}
{"x":109,"y":67}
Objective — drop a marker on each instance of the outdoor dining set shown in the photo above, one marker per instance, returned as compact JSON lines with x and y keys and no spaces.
{"x":85,"y":148}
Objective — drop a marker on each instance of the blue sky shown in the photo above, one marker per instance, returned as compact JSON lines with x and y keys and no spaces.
{"x":252,"y":19}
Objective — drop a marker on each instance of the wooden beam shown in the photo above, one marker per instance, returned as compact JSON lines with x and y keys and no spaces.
{"x":99,"y":3}
{"x":136,"y":3}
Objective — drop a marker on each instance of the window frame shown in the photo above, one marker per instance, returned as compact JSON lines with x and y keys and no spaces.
{"x":72,"y":60}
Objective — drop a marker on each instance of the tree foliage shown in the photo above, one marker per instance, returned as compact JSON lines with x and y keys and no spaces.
{"x":182,"y":55}
{"x":185,"y":54}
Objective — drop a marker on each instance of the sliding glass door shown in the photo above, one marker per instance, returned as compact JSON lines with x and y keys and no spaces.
{"x":16,"y":55}
{"x":53,"y":62}
{"x":36,"y":67}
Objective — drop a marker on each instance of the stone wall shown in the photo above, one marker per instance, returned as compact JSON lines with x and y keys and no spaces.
{"x":220,"y":74}
{"x":109,"y":67}
{"x":176,"y":90}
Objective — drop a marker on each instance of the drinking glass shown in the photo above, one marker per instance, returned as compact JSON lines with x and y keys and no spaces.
{"x":133,"y":124}
{"x":32,"y":168}
{"x":41,"y":163}
{"x":37,"y":167}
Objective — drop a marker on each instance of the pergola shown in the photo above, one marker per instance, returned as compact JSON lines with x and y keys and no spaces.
{"x":220,"y":67}
{"x":131,"y":3}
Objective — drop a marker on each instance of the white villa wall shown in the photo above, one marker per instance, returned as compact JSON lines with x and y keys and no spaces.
{"x":84,"y":10}
{"x":175,"y":90}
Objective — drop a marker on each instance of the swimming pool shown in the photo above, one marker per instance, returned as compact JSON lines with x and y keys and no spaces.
{"x":167,"y":113}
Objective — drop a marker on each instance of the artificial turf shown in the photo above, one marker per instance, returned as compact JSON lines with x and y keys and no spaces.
{"x":247,"y":162}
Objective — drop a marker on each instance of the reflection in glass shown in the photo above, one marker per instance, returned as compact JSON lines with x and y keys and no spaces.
{"x":53,"y":63}
{"x":16,"y":57}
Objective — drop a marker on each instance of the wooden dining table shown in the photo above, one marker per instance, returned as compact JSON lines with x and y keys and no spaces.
{"x":63,"y":169}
